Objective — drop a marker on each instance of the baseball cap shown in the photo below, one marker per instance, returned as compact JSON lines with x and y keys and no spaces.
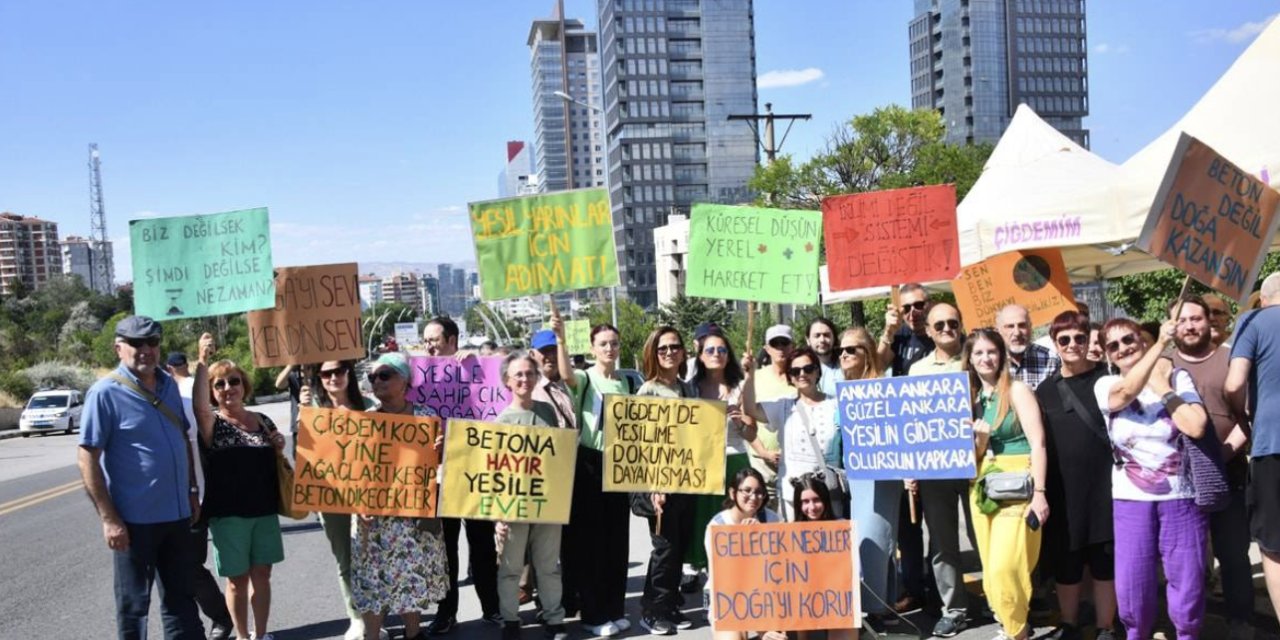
{"x":777,"y":331}
{"x":176,"y":359}
{"x":138,"y":327}
{"x":705,"y":329}
{"x":542,"y":339}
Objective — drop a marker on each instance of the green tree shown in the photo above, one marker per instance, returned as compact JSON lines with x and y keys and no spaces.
{"x":685,"y":314}
{"x":1145,"y":296}
{"x":634,"y":325}
{"x":487,"y":321}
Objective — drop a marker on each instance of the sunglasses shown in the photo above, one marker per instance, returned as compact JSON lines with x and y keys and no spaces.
{"x":808,"y":369}
{"x":780,"y":343}
{"x":325,"y":374}
{"x":951,"y":324}
{"x":1125,"y":340}
{"x":918,"y":305}
{"x":1079,"y":338}
{"x":669,"y":348}
{"x":852,"y":351}
{"x":226,"y":382}
{"x":138,"y":343}
{"x":381,"y":374}
{"x":715,"y":351}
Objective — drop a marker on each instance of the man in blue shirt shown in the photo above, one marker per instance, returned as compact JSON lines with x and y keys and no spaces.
{"x":136,"y":465}
{"x":1255,"y":366}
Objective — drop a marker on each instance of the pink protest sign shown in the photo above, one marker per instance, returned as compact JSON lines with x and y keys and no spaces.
{"x":470,"y":389}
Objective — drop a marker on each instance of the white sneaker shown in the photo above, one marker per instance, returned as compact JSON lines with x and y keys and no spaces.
{"x":605,"y":630}
{"x":622,"y":623}
{"x":355,"y":631}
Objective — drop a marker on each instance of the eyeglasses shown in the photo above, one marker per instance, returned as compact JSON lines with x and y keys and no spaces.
{"x":1079,"y":338}
{"x":918,"y":305}
{"x":521,"y":375}
{"x":780,"y":343}
{"x":223,"y":383}
{"x":325,"y":374}
{"x":138,"y":343}
{"x":715,"y":351}
{"x":381,"y":374}
{"x":1126,"y":340}
{"x":808,"y":369}
{"x":950,"y":323}
{"x":852,"y":351}
{"x":669,"y":348}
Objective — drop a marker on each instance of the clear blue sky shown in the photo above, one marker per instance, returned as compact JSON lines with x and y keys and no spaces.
{"x":367,"y":127}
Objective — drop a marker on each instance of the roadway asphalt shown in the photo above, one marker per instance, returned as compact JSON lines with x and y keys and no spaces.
{"x":57,"y":571}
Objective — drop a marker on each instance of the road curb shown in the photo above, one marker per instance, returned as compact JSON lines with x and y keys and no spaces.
{"x":10,"y":433}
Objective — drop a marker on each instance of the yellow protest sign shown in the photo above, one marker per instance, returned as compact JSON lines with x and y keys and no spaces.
{"x":663,"y":445}
{"x":508,"y":472}
{"x":377,"y":464}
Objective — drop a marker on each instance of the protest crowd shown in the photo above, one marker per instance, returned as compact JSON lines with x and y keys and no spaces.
{"x":1109,"y":463}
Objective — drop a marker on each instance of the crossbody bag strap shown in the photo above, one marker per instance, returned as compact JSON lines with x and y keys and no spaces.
{"x":1098,"y":430}
{"x":151,"y":399}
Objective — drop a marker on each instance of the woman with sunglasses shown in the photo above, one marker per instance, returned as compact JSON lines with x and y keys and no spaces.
{"x":1079,"y":534}
{"x":804,"y":420}
{"x":744,"y":504}
{"x":397,"y":564}
{"x":339,"y":388}
{"x":719,"y":375}
{"x":1009,"y":437}
{"x":599,"y":532}
{"x":661,"y":603}
{"x":873,"y":503}
{"x":241,"y":496}
{"x":1148,"y":407}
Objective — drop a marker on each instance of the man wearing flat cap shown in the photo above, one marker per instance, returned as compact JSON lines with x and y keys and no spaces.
{"x":136,"y":465}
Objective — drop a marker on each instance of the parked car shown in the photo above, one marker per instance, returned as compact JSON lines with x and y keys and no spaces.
{"x":54,"y":410}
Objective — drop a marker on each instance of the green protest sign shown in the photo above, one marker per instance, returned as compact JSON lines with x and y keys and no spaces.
{"x":751,"y":253}
{"x":206,"y":265}
{"x":577,"y":337}
{"x":544,"y":244}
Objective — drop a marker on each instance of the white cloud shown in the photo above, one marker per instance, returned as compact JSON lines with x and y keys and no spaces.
{"x":1235,"y":35}
{"x":788,"y":78}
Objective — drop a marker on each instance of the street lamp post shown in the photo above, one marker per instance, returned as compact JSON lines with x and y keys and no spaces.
{"x":613,"y":291}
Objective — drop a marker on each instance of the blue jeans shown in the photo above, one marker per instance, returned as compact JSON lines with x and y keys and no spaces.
{"x":163,"y":549}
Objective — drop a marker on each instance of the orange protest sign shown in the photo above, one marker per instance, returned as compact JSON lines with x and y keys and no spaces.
{"x":380,"y":464}
{"x":886,"y":238}
{"x":316,"y":318}
{"x":1035,"y":279}
{"x":798,"y":576}
{"x":1211,"y":219}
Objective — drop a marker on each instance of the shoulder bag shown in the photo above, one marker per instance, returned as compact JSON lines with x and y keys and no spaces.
{"x":284,"y":477}
{"x":832,"y":477}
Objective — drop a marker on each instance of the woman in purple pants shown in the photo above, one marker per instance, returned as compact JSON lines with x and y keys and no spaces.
{"x":1154,"y":505}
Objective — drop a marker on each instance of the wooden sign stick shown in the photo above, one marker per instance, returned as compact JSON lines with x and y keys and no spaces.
{"x":751,"y":324}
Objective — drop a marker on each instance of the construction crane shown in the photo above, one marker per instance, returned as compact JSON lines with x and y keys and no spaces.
{"x":98,"y":225}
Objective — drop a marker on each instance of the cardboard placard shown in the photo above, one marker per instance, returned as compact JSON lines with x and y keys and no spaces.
{"x":205,"y":265}
{"x":914,"y":427}
{"x":663,"y":445}
{"x":1035,"y":279}
{"x":471,"y":389}
{"x":316,"y":318}
{"x":797,"y":576}
{"x":577,"y":337}
{"x":546,"y":243}
{"x":378,"y":464}
{"x":511,"y":473}
{"x":887,"y":238}
{"x":1211,"y":219}
{"x":752,"y":253}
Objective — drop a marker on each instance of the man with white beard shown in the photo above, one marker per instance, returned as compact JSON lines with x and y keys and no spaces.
{"x":1028,"y":361}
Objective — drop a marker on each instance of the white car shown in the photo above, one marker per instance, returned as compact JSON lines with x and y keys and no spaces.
{"x":57,"y":410}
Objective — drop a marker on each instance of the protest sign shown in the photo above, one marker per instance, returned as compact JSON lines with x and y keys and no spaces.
{"x":378,"y":464}
{"x":470,"y":389}
{"x":663,"y":445}
{"x":577,"y":336}
{"x":798,"y":576}
{"x":545,"y":243}
{"x":886,"y":238}
{"x":511,"y":473}
{"x":755,"y":254}
{"x":903,"y":428}
{"x":316,"y":318}
{"x":1211,"y":219}
{"x":1035,"y":279}
{"x":407,"y":333}
{"x":206,"y":265}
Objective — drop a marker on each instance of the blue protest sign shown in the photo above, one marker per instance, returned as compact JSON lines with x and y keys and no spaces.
{"x":913,"y":427}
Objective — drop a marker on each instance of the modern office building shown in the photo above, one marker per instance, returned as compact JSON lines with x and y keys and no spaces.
{"x":514,"y":179}
{"x":402,"y":287}
{"x":81,"y":258}
{"x":674,"y":71}
{"x":370,"y":291}
{"x":975,"y":61}
{"x":29,"y":252}
{"x":429,"y":291}
{"x":568,"y":133}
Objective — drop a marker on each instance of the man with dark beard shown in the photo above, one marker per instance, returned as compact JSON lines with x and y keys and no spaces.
{"x":1199,"y":354}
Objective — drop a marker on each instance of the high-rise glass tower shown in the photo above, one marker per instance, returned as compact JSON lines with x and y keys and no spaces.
{"x":568,"y":137}
{"x":674,"y":70}
{"x":977,"y":60}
